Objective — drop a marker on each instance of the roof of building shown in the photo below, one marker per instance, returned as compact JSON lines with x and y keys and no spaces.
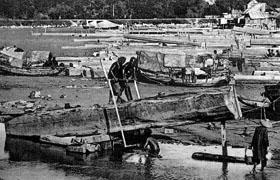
{"x":260,"y":11}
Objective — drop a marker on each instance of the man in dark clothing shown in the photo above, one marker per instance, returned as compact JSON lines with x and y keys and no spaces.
{"x":260,"y":144}
{"x":114,"y":76}
{"x":128,"y":72}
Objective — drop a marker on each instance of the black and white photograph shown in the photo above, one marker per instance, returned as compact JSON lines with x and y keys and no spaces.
{"x":139,"y":89}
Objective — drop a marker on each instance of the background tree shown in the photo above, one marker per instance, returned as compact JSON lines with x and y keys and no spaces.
{"x":108,"y":9}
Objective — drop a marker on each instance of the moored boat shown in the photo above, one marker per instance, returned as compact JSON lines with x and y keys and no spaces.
{"x":177,"y":70}
{"x":30,"y":71}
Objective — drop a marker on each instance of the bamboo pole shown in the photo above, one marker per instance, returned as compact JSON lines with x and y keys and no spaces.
{"x":115,"y":103}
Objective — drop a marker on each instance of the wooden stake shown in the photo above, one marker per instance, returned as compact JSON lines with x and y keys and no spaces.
{"x":224,"y":138}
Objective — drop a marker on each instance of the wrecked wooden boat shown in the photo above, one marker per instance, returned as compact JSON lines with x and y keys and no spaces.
{"x":158,"y":111}
{"x":254,"y":103}
{"x":30,"y":71}
{"x":166,"y":69}
{"x":272,"y":92}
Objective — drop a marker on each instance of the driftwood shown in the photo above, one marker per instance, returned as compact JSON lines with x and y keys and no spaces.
{"x":217,"y":157}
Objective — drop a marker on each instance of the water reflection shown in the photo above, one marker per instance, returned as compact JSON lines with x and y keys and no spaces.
{"x":3,"y":154}
{"x":175,"y":164}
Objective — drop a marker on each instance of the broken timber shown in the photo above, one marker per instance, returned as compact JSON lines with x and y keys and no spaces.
{"x":148,"y":112}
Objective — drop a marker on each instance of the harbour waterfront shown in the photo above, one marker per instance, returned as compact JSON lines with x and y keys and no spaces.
{"x":24,"y":160}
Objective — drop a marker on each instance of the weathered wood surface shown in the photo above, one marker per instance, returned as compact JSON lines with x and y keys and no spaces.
{"x":168,"y":109}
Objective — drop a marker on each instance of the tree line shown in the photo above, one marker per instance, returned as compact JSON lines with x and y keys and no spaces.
{"x":119,"y":9}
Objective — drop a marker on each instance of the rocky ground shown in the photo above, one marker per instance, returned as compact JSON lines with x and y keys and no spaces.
{"x":87,"y":92}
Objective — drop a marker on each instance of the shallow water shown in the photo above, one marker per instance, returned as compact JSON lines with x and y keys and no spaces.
{"x":25,"y":160}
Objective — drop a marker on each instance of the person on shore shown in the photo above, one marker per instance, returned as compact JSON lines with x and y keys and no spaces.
{"x":215,"y":60}
{"x":114,"y":76}
{"x":277,"y":53}
{"x":272,"y":54}
{"x":193,"y":76}
{"x":267,"y":53}
{"x":127,"y":73}
{"x":260,"y":144}
{"x":151,"y":143}
{"x":183,"y":71}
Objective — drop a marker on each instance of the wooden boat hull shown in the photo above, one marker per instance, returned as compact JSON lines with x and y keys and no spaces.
{"x":11,"y":70}
{"x":166,"y":69}
{"x":253,"y":103}
{"x":210,"y":105}
{"x":166,"y":80}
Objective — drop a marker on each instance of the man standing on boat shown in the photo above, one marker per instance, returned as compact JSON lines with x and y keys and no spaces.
{"x":115,"y":75}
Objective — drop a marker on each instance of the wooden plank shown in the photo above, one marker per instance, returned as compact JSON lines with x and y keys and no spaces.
{"x":99,"y":46}
{"x":161,"y":40}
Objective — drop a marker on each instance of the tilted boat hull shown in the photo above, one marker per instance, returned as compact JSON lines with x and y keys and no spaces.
{"x":211,"y":105}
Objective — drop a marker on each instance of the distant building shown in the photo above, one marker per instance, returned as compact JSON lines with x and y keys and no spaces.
{"x":212,"y":16}
{"x":259,"y":15}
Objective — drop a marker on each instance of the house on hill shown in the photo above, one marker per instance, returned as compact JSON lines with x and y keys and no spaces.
{"x":260,"y":15}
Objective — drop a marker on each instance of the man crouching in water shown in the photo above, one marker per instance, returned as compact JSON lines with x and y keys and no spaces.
{"x":151,"y":144}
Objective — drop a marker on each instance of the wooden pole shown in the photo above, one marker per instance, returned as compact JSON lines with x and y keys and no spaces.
{"x":136,"y":88}
{"x":115,"y":103}
{"x":135,"y":84}
{"x":224,"y":138}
